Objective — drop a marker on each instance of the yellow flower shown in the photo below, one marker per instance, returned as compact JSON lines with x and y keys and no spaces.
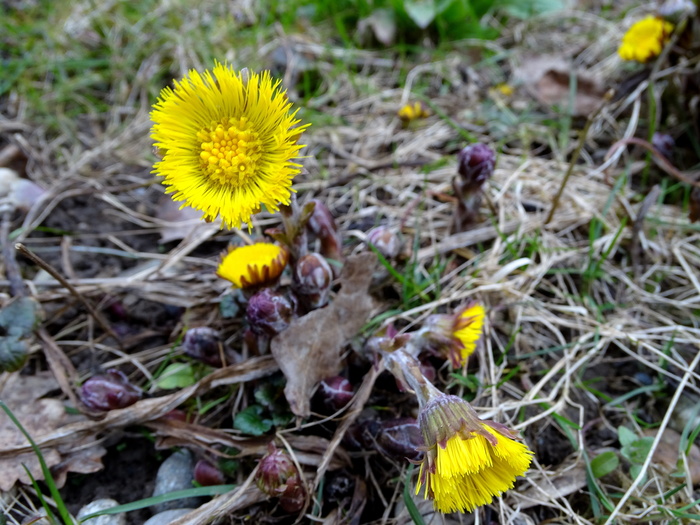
{"x":228,"y":142}
{"x":645,"y":39}
{"x":253,"y":265}
{"x":454,"y":335}
{"x":467,"y":461}
{"x":468,"y":329}
{"x":505,"y":89}
{"x":411,"y":112}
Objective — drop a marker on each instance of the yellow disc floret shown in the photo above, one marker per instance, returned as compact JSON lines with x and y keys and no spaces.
{"x":645,"y":39}
{"x":228,"y":142}
{"x":253,"y":265}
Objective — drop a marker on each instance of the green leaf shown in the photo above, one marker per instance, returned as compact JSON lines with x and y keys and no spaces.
{"x":176,"y":375}
{"x":228,"y":307}
{"x":408,"y":500}
{"x":250,"y":421}
{"x":527,"y":8}
{"x":637,"y":451}
{"x":635,"y":470}
{"x":20,"y":317}
{"x":603,"y":464}
{"x":422,"y":12}
{"x":13,"y":353}
{"x":625,"y":435}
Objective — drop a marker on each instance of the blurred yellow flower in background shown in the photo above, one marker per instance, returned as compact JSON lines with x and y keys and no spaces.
{"x":228,"y":141}
{"x":468,"y":329}
{"x":645,"y":39}
{"x":253,"y":265}
{"x":411,"y":112}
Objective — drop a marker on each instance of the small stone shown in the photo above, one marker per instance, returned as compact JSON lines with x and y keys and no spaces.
{"x":99,"y":505}
{"x":167,"y":517}
{"x":176,"y":473}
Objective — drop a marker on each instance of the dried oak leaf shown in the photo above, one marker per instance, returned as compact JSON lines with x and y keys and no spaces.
{"x":39,"y":417}
{"x":309,"y":349}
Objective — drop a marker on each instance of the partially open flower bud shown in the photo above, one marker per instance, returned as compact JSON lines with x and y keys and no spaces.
{"x":476,"y":165}
{"x":207,"y":474}
{"x":399,"y":439}
{"x":335,"y":392}
{"x":322,"y":224}
{"x":109,"y":391}
{"x":204,"y":344}
{"x":269,"y":312}
{"x":664,"y":143}
{"x":312,"y":280}
{"x":278,"y":477}
{"x":385,"y":241}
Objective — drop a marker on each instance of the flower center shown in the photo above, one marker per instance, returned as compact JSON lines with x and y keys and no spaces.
{"x":230,"y":151}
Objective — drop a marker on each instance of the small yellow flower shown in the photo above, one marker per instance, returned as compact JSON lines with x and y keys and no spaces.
{"x":504,"y":89}
{"x":228,"y":142}
{"x":411,"y":112}
{"x":468,"y":461}
{"x":468,"y":329}
{"x":253,"y":265}
{"x":645,"y":39}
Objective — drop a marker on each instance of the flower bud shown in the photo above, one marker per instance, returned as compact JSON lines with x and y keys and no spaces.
{"x":385,"y":241}
{"x":109,"y":391}
{"x":476,"y":165}
{"x":269,"y":312}
{"x":664,"y":143}
{"x":207,"y":474}
{"x":204,"y":344}
{"x":335,"y":393}
{"x":312,"y":280}
{"x":399,"y":439}
{"x":322,"y":224}
{"x":278,"y":476}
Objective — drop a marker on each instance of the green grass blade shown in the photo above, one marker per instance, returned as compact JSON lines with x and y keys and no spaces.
{"x":48,"y":478}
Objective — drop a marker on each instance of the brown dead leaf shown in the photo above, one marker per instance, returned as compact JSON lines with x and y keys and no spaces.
{"x":544,"y":488}
{"x":40,"y":417}
{"x":667,"y":453}
{"x":309,"y":350}
{"x":547,"y":78}
{"x":178,"y":223}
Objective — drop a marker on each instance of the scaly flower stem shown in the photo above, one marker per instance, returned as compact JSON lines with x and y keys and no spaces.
{"x":406,"y":368}
{"x":576,"y":155}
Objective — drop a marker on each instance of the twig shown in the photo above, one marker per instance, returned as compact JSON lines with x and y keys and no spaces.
{"x":54,"y":273}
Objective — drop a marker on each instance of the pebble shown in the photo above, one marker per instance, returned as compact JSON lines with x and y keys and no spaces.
{"x":176,"y":473}
{"x":102,"y":504}
{"x":166,"y":517}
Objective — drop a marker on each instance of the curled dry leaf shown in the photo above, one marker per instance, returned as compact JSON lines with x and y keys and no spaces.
{"x":309,"y":350}
{"x":40,"y":417}
{"x":570,"y":477}
{"x":666,"y":454}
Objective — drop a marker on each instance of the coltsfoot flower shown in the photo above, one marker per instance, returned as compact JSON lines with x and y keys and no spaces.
{"x":467,"y":461}
{"x":228,"y":142}
{"x":645,"y":39}
{"x":253,"y":265}
{"x":411,"y":112}
{"x":455,"y":334}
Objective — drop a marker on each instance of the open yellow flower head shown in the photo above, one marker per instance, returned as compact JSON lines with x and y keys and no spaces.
{"x":411,"y":112}
{"x":468,"y":461}
{"x":227,"y":141}
{"x":468,"y":329}
{"x":253,"y":265}
{"x":645,"y":39}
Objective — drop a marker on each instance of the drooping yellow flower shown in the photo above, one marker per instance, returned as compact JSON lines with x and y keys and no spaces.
{"x":411,"y":112}
{"x":468,"y":461}
{"x":468,"y":330}
{"x":645,"y":39}
{"x":228,"y":142}
{"x":253,"y":265}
